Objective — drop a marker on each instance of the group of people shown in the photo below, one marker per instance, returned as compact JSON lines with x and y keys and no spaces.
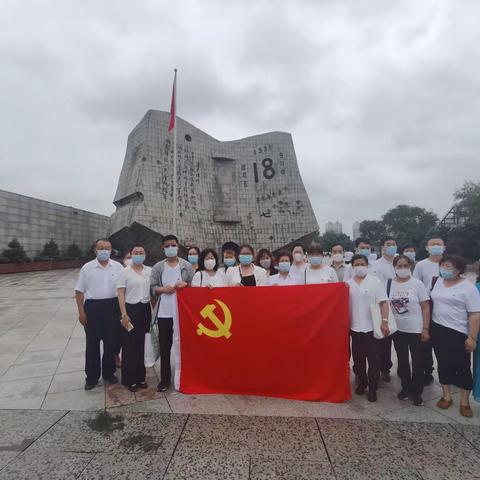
{"x":435,"y":308}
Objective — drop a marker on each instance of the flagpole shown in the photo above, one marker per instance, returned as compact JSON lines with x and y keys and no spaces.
{"x":175,"y":232}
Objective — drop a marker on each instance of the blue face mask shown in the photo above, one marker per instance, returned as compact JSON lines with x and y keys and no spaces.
{"x":138,"y":259}
{"x":446,"y":274}
{"x":364,"y":251}
{"x":171,"y":252}
{"x":229,"y":262}
{"x":193,"y":259}
{"x":436,"y":250}
{"x":284,"y":267}
{"x":391,"y":250}
{"x":410,"y":255}
{"x":245,"y":259}
{"x":315,"y":261}
{"x":103,"y":255}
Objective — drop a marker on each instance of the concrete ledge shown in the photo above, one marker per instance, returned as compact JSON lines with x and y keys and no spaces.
{"x":40,"y":266}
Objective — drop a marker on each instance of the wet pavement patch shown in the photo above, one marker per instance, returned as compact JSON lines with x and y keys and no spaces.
{"x":145,"y":442}
{"x":19,"y":447}
{"x":106,"y":423}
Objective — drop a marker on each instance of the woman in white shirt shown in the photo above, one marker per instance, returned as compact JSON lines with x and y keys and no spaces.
{"x":455,"y":325}
{"x":134,"y":301}
{"x":365,"y":290}
{"x":266,"y":260}
{"x":246,"y":274}
{"x":284,"y":275}
{"x":208,"y":273}
{"x":410,"y":305}
{"x":317,"y":271}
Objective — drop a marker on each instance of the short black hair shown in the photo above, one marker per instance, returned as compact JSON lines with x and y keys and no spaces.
{"x":387,"y":239}
{"x":298,"y":244}
{"x":409,"y":245}
{"x":102,"y":240}
{"x":402,"y":257}
{"x":360,"y":240}
{"x":246,"y":245}
{"x":315,"y":247}
{"x":203,"y":254}
{"x":457,"y":261}
{"x":169,"y":237}
{"x":135,"y":245}
{"x":194,"y":248}
{"x":283,"y":253}
{"x":337,"y":245}
{"x":231,"y":246}
{"x":357,"y":256}
{"x":261,"y":253}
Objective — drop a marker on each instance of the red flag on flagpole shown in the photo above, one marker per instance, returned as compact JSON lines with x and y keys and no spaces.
{"x":173,"y":106}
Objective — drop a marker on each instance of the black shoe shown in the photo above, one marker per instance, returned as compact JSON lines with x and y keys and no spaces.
{"x":142,"y":385}
{"x":417,"y":400}
{"x":89,"y":386}
{"x":403,"y":395}
{"x":112,"y":380}
{"x":386,"y":376}
{"x":427,"y":379}
{"x":372,"y":396}
{"x":133,"y":388}
{"x":163,"y":386}
{"x":361,"y":389}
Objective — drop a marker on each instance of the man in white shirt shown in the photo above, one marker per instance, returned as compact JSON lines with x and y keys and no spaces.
{"x":99,"y":313}
{"x":362,"y":247}
{"x":338,"y":262}
{"x":425,"y":270}
{"x":166,"y":278}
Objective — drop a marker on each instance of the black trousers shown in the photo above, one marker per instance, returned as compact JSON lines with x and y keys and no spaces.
{"x":165,"y":338}
{"x":386,"y":354}
{"x":365,"y":347}
{"x":133,"y":344}
{"x":412,"y":378}
{"x":427,"y":353}
{"x":103,"y":317}
{"x":454,"y":362}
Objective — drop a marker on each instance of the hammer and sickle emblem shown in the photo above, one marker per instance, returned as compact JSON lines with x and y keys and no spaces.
{"x":223,"y":329}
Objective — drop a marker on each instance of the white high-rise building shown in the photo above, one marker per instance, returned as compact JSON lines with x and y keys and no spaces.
{"x":334,"y":227}
{"x":356,"y":230}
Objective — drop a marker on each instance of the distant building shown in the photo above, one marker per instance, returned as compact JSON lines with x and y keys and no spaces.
{"x":335,"y":227}
{"x":356,"y":230}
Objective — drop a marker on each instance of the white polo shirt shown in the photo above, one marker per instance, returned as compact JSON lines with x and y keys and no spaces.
{"x":383,"y":269}
{"x":325,"y":274}
{"x":203,"y":279}
{"x":97,"y":282}
{"x":298,"y":270}
{"x":368,"y":292}
{"x":425,"y":270}
{"x":137,"y":285}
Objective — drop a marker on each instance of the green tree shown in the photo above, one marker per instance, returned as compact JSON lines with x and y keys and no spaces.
{"x":15,"y":253}
{"x":73,"y":251}
{"x":464,"y":241}
{"x":409,"y":224}
{"x":328,"y":239}
{"x":50,"y":250}
{"x":373,"y":230}
{"x":468,"y":198}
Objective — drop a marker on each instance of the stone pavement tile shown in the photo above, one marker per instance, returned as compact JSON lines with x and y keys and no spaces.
{"x":416,"y":414}
{"x":45,"y":466}
{"x":117,"y":395}
{"x":159,"y":405}
{"x":102,"y":432}
{"x":75,"y":347}
{"x":29,"y":358}
{"x":41,"y":343}
{"x":470,"y":432}
{"x":349,"y":409}
{"x":20,"y":372}
{"x":65,"y":382}
{"x":13,"y":346}
{"x":20,"y":428}
{"x":214,"y":466}
{"x":201,"y":404}
{"x":454,"y":413}
{"x":76,"y":400}
{"x":271,"y":437}
{"x":446,"y":472}
{"x":126,"y":467}
{"x":357,"y":469}
{"x":28,"y":393}
{"x":265,"y":469}
{"x":387,"y":402}
{"x":72,"y":364}
{"x":266,"y":406}
{"x":2,"y":371}
{"x":6,"y":457}
{"x":7,"y":359}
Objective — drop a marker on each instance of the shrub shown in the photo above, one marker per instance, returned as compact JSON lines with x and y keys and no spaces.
{"x":15,"y":253}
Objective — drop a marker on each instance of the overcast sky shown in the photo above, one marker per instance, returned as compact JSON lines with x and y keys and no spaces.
{"x":382,"y":97}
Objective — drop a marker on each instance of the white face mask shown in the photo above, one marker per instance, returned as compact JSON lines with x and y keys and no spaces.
{"x":337,"y":257}
{"x":299,"y":257}
{"x":360,"y":271}
{"x":210,"y":263}
{"x":128,"y":262}
{"x":403,"y":272}
{"x":265,"y":263}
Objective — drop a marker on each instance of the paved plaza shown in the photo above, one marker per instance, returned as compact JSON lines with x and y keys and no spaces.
{"x":51,"y":428}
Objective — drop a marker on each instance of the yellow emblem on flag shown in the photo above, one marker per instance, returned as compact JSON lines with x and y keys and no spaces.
{"x":223,"y":328}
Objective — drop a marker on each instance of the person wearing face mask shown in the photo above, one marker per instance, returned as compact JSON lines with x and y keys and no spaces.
{"x":208,"y":273}
{"x":338,"y":263}
{"x":284,"y":275}
{"x":454,"y":330}
{"x":98,"y":312}
{"x":365,"y":290}
{"x":167,"y":277}
{"x":193,"y":255}
{"x":127,"y":260}
{"x":247,"y":274}
{"x":425,"y":270}
{"x":265,"y":260}
{"x":317,"y":271}
{"x":362,"y":247}
{"x":410,"y":305}
{"x":299,"y":264}
{"x":410,"y":251}
{"x":230,"y":256}
{"x":134,"y":302}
